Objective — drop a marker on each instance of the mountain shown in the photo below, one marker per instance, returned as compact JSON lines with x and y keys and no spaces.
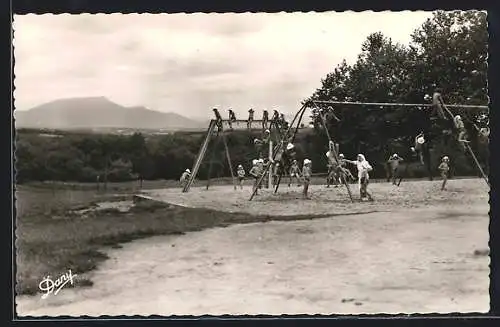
{"x":99,"y":112}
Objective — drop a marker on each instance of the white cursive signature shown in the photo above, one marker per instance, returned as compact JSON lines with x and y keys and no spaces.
{"x":50,"y":286}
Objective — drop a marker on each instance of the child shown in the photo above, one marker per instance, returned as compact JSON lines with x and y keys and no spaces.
{"x":265,"y":119}
{"x":241,"y":175}
{"x":333,"y":170}
{"x":364,"y":168}
{"x":462,"y":132}
{"x":185,"y":177}
{"x":306,"y":176}
{"x":393,"y":163}
{"x":232,"y":118}
{"x":255,"y":172}
{"x":218,"y":119}
{"x":250,"y":118}
{"x":344,"y":173}
{"x":288,"y":155}
{"x":331,"y":177}
{"x":484,"y":134}
{"x":438,"y":104}
{"x":294,"y":173}
{"x":276,"y":173}
{"x":419,"y":146}
{"x":282,"y":120}
{"x":260,"y":165}
{"x":266,"y":137}
{"x":275,"y":120}
{"x":444,"y":167}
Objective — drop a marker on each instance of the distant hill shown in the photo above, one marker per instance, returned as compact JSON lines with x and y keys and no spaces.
{"x":99,"y":113}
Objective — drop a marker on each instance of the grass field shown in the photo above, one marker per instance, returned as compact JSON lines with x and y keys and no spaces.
{"x":51,"y":236}
{"x":56,"y":231}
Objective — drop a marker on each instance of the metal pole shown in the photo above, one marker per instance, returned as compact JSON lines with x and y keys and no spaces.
{"x":291,"y":141}
{"x":278,"y":147}
{"x":335,"y":154}
{"x":386,"y":104}
{"x":478,"y":164}
{"x":229,"y":160}
{"x":270,"y":182}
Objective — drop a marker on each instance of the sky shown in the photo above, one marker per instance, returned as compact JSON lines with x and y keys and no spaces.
{"x":189,"y":63}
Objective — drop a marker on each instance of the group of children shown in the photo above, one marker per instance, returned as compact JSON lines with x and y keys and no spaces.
{"x":286,"y":164}
{"x":340,"y":175}
{"x":258,"y":169}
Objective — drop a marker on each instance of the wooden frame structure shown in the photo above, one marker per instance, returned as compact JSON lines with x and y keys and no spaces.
{"x":445,"y":107}
{"x":315,"y":104}
{"x":218,"y":124}
{"x":293,"y":128}
{"x":288,"y":136}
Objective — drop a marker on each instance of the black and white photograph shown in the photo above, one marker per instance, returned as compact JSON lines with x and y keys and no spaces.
{"x":251,"y":163}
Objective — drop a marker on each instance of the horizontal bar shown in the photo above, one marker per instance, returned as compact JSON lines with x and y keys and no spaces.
{"x":243,"y":121}
{"x":385,"y":104}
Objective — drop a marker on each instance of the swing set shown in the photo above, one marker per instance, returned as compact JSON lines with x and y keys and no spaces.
{"x":221,"y":127}
{"x":286,"y":133}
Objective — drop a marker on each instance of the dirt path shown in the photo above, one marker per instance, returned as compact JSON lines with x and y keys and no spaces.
{"x":418,"y":260}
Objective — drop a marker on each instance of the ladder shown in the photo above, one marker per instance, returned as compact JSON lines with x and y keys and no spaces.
{"x":200,"y":156}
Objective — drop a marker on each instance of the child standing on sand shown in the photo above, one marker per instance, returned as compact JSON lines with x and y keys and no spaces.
{"x":393,"y":163}
{"x":276,"y":172}
{"x":444,"y":168}
{"x":462,"y":132}
{"x":364,"y":168}
{"x":294,"y":173}
{"x":255,"y":172}
{"x":419,"y":146}
{"x":241,"y":175}
{"x":185,"y":177}
{"x":306,"y":176}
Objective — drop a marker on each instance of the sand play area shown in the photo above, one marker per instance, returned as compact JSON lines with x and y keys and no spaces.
{"x":413,"y":250}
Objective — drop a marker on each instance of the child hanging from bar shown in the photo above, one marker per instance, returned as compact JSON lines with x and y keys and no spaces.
{"x":393,"y":163}
{"x":218,"y":119}
{"x":276,"y":172}
{"x":232,"y":118}
{"x":294,"y":173}
{"x":462,"y":132}
{"x":241,"y":175}
{"x":364,"y":168}
{"x":330,"y":114}
{"x":275,"y":120}
{"x":443,"y":113}
{"x":438,"y":104}
{"x":306,"y":178}
{"x":185,"y":178}
{"x":282,"y":121}
{"x":332,"y":164}
{"x":255,"y":172}
{"x":265,"y":119}
{"x":250,"y":118}
{"x":444,"y":168}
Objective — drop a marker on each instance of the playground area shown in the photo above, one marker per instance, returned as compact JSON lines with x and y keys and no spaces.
{"x":414,"y":249}
{"x":335,"y":201}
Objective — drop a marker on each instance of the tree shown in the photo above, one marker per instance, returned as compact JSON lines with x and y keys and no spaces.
{"x":449,"y":50}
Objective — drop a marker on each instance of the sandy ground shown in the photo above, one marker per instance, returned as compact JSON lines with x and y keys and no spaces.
{"x":415,"y":255}
{"x":288,"y":201}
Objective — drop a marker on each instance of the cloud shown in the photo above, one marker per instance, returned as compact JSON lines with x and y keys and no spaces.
{"x":187,"y":63}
